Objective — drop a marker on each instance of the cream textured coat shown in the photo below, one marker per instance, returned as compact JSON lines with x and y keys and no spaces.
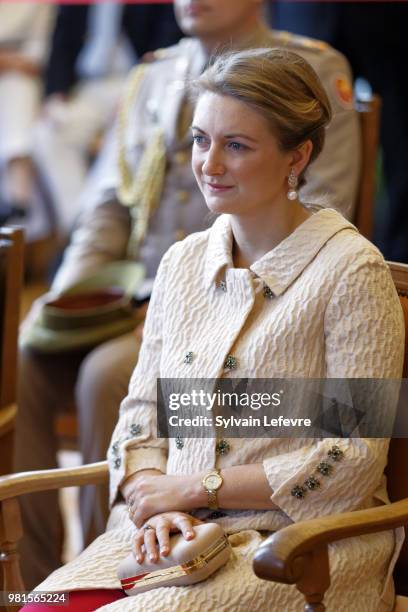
{"x":334,"y":313}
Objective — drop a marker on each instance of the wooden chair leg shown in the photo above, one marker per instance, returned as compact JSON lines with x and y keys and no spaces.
{"x":315,"y":579}
{"x":11,"y":532}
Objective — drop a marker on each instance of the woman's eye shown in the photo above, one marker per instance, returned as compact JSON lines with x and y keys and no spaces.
{"x":199,"y":140}
{"x":236,"y":146}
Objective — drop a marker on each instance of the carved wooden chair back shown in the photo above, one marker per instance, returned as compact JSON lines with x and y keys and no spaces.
{"x":369,"y":114}
{"x":11,"y":275}
{"x":397,"y":474}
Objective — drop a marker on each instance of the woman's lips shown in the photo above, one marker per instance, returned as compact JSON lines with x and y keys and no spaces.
{"x":215,"y":188}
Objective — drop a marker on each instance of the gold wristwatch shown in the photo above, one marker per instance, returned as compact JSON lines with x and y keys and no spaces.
{"x":211,"y":483}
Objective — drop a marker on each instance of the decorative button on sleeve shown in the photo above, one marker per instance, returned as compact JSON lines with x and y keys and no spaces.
{"x":324,"y":468}
{"x":298,"y":492}
{"x":312,"y":483}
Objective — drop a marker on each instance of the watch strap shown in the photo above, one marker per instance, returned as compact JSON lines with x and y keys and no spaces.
{"x":212,"y":499}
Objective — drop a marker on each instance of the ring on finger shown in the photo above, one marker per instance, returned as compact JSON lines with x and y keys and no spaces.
{"x":146,"y":527}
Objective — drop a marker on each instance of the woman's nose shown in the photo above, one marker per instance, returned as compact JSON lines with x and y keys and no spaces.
{"x":213,"y":163}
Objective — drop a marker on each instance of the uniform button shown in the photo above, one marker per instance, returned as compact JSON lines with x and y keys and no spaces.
{"x":231,"y":363}
{"x":179,"y":442}
{"x":189,"y":357}
{"x":180,"y":234}
{"x":223,"y":286}
{"x":183,"y":196}
{"x":117,"y":463}
{"x":181,"y":157}
{"x":222,"y":447}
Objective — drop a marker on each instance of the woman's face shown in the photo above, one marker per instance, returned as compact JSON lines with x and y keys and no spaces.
{"x":236,"y":159}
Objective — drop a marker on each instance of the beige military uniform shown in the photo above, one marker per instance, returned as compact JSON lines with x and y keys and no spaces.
{"x":156,"y":113}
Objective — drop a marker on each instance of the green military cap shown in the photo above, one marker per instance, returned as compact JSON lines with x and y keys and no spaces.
{"x":96,"y":309}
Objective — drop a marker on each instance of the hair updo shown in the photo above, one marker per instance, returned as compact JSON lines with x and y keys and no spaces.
{"x":278,"y":84}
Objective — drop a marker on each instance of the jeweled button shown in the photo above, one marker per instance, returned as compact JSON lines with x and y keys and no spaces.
{"x":298,"y":492}
{"x":222,"y":447}
{"x":324,"y":468}
{"x":231,"y":363}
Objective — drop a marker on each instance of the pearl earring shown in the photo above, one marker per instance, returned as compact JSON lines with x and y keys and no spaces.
{"x":292,"y":183}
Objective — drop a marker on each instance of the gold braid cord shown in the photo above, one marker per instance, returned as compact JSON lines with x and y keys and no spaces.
{"x":140,"y":192}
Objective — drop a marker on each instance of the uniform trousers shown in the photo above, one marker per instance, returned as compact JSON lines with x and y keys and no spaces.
{"x":97,"y":382}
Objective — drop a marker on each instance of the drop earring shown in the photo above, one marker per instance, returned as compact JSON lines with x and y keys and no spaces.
{"x":292,"y":183}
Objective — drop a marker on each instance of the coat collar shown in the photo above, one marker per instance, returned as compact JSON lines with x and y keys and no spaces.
{"x":280,"y":267}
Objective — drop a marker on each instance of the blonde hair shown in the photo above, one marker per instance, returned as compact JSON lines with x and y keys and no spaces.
{"x":281,"y":86}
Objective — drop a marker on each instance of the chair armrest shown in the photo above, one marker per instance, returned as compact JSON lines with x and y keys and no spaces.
{"x":283,"y":557}
{"x":43,"y":480}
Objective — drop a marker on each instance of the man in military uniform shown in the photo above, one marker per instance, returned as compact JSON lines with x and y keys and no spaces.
{"x":143,"y":198}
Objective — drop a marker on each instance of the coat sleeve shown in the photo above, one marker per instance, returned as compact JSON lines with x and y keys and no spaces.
{"x":36,"y":45}
{"x":364,"y":338}
{"x":135,"y":445}
{"x":334,"y":176}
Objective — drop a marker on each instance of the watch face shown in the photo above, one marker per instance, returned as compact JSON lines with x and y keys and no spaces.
{"x":213,"y":481}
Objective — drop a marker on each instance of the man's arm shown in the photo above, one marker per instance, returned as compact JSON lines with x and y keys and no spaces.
{"x":101,"y":233}
{"x":335,"y":174}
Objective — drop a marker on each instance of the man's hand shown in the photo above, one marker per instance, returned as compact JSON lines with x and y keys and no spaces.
{"x":154,"y":538}
{"x":12,"y":61}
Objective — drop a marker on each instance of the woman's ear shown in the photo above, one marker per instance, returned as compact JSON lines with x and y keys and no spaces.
{"x":301,"y":156}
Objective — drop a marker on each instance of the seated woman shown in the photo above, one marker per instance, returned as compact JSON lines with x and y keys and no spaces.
{"x":273,"y":289}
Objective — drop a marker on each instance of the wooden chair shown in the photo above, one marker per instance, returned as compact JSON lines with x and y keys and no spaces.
{"x":369,"y":114}
{"x":11,"y":275}
{"x":294,"y":555}
{"x":298,"y":554}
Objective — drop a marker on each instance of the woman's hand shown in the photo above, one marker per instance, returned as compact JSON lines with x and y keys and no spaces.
{"x":148,"y":494}
{"x":153,"y":539}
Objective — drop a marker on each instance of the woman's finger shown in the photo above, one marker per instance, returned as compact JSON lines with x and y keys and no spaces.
{"x":163,"y":537}
{"x":185,"y":524}
{"x":150,"y":543}
{"x":137,"y":548}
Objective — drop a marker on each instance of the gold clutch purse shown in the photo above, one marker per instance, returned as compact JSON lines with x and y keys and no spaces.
{"x":188,"y":561}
